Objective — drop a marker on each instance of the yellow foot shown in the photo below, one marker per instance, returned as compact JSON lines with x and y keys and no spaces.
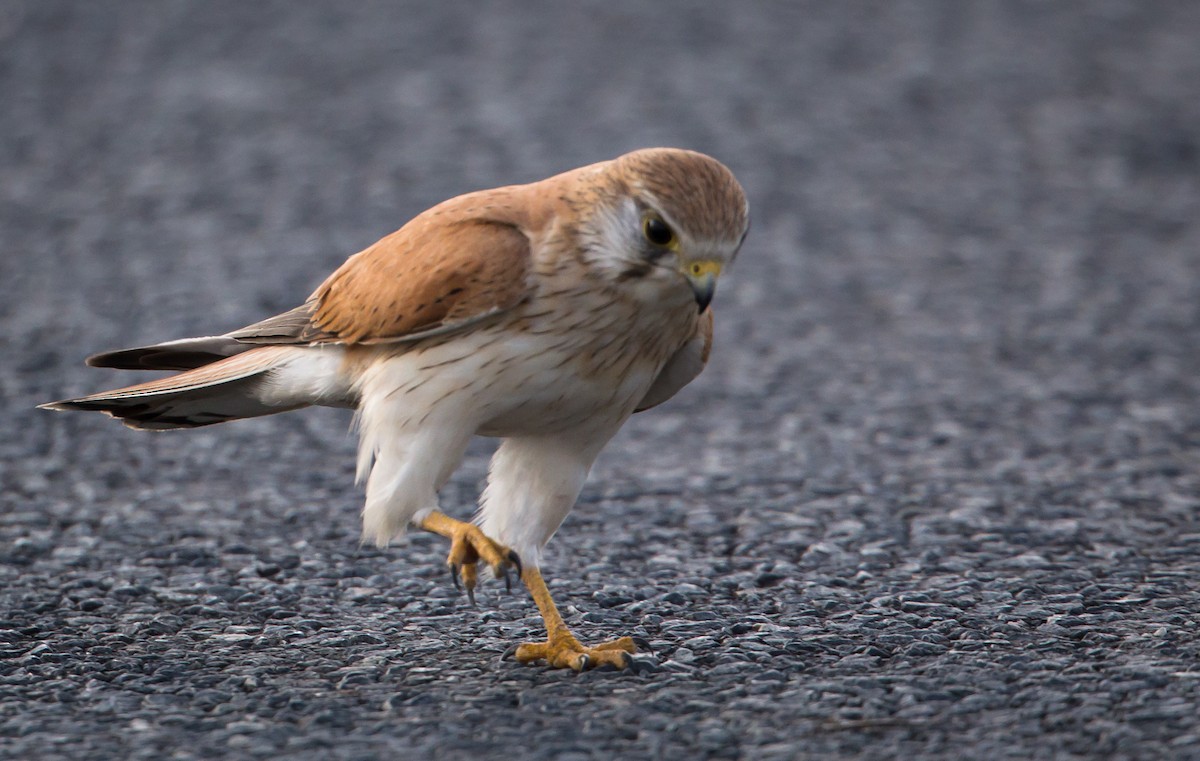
{"x":561,"y":650}
{"x":468,"y":546}
{"x":564,"y":651}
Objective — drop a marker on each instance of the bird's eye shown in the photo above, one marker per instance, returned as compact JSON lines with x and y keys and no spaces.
{"x":657,"y":231}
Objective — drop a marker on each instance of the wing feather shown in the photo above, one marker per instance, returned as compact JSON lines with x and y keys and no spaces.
{"x":459,"y":264}
{"x":293,"y":326}
{"x":683,"y":366}
{"x":429,"y":278}
{"x":424,"y":281}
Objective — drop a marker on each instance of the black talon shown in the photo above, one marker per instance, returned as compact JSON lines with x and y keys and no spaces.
{"x":509,"y":652}
{"x":641,"y":666}
{"x":584,"y":662}
{"x":454,"y":575}
{"x":516,"y":560}
{"x":471,"y":595}
{"x":507,"y":582}
{"x":643,"y":644}
{"x":628,"y":661}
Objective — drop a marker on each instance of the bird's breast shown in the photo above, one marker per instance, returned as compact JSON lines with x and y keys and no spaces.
{"x":554,"y":383}
{"x":544,"y":370}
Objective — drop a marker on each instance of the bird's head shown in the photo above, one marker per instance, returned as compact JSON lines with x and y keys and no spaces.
{"x":672,"y":221}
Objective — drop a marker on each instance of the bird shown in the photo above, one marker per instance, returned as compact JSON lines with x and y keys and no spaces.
{"x":543,"y":315}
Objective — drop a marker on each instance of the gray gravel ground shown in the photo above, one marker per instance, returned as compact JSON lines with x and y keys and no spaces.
{"x":937,"y":496}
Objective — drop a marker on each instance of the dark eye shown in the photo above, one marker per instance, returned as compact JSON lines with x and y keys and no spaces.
{"x":657,"y":231}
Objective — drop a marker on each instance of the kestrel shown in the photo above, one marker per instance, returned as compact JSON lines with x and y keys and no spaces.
{"x":543,"y":314}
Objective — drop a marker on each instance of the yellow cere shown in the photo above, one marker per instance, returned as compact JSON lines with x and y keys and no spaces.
{"x":700,"y":269}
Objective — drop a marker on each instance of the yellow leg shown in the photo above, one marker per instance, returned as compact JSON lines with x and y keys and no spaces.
{"x":561,"y":649}
{"x":469,"y":545}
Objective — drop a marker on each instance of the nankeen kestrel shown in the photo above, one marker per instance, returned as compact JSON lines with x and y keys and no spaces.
{"x":542,"y":314}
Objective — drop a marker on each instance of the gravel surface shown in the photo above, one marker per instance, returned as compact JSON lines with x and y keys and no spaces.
{"x":937,"y":497}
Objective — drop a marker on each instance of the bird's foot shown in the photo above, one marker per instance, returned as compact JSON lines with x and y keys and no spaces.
{"x":468,"y":546}
{"x":562,"y":650}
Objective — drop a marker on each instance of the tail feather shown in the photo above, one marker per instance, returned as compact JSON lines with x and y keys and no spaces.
{"x":227,"y":389}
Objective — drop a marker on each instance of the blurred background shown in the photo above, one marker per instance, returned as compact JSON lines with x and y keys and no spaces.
{"x":963,"y":329}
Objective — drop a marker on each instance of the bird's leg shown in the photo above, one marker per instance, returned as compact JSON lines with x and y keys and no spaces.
{"x":469,"y":545}
{"x":561,"y":649}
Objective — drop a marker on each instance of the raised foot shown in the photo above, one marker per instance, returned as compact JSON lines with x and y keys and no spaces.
{"x":564,"y":651}
{"x":469,"y":546}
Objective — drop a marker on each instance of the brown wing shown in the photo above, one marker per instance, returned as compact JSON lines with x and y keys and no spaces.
{"x":683,"y":366}
{"x":431,"y":277}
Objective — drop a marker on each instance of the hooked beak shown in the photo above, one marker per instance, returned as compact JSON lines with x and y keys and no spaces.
{"x":702,"y":276}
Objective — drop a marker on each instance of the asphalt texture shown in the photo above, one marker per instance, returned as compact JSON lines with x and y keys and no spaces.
{"x":937,"y":495}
